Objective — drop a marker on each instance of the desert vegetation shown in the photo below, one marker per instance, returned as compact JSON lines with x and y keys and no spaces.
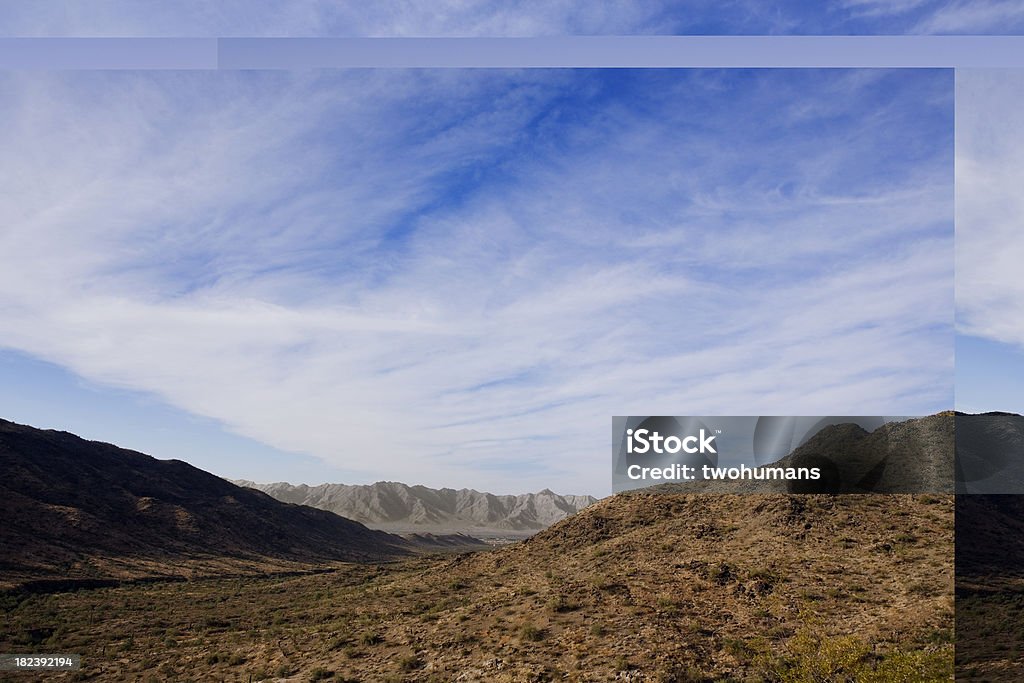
{"x":637,"y":588}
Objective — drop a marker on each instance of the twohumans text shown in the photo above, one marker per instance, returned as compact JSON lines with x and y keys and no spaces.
{"x":679,"y":472}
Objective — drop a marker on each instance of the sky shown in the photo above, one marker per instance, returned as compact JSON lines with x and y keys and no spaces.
{"x":202,"y":18}
{"x":457,"y":277}
{"x":990,"y":240}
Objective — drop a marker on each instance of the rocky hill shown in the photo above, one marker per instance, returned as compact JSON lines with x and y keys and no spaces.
{"x":398,"y":507}
{"x":78,"y":510}
{"x":640,"y":587}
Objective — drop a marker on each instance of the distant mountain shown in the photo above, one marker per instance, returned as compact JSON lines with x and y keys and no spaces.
{"x":74,"y":509}
{"x":395,"y":506}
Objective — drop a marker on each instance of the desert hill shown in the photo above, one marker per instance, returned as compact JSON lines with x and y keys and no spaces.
{"x":394,"y":506}
{"x":77,"y":509}
{"x":713,"y":587}
{"x":640,"y":587}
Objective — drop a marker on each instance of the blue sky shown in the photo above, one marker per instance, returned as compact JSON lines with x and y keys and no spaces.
{"x":990,"y":240}
{"x":518,"y":18}
{"x":457,"y":277}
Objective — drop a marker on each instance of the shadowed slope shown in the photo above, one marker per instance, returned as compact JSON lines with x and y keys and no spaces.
{"x":77,"y":509}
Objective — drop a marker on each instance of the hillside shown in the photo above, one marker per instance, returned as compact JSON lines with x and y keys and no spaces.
{"x":643,"y":587}
{"x":398,"y":507}
{"x":990,"y":587}
{"x":76,"y":510}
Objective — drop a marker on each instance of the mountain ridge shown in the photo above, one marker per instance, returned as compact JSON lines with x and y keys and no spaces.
{"x":75,"y":509}
{"x":397,"y":506}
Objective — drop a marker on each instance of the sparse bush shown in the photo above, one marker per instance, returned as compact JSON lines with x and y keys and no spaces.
{"x":598,"y":630}
{"x":371,"y":638}
{"x":738,"y":648}
{"x":912,"y":666}
{"x":320,"y":674}
{"x":215,"y":622}
{"x":560,"y":603}
{"x":337,"y":643}
{"x":531,"y":633}
{"x":810,"y":656}
{"x":668,"y":605}
{"x":721,"y":572}
{"x":410,"y":663}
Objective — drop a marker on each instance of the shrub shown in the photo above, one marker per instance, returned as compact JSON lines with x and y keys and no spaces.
{"x":410,"y":663}
{"x":371,"y":638}
{"x":532,"y":633}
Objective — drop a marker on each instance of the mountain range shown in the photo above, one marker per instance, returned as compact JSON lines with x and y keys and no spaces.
{"x":399,"y":507}
{"x":78,"y":511}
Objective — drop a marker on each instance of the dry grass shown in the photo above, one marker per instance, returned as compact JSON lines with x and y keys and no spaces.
{"x":639,"y":588}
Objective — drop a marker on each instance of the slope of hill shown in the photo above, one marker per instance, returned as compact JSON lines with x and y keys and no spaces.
{"x":644,"y":587}
{"x":398,"y":507}
{"x":74,"y":509}
{"x":990,"y":587}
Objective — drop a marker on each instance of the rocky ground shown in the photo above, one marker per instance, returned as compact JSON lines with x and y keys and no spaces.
{"x":668,"y":587}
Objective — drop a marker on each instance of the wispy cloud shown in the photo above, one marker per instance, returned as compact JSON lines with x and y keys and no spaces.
{"x":413,"y":18}
{"x":990,"y":207}
{"x":994,"y":16}
{"x":426,"y":276}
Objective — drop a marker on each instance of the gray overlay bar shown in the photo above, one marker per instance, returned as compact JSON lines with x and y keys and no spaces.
{"x":562,"y":51}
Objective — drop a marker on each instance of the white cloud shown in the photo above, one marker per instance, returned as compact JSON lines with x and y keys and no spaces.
{"x":972,"y":16}
{"x":990,"y":206}
{"x":456,"y":278}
